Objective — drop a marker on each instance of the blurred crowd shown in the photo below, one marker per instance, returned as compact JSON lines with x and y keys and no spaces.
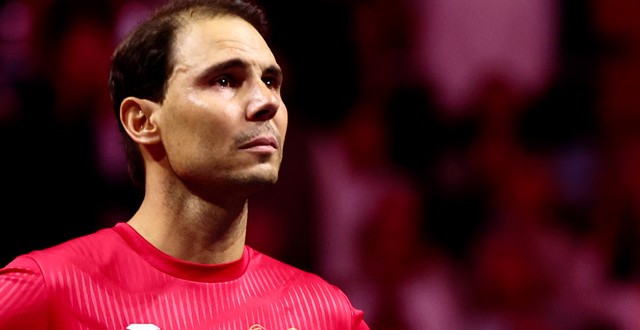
{"x":450,"y":164}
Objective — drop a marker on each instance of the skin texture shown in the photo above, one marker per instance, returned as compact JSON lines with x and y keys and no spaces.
{"x":215,"y":139}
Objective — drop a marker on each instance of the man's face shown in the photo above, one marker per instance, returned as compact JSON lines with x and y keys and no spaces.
{"x":223,"y":121}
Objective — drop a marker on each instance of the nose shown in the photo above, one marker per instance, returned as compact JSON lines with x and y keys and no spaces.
{"x":264,"y":102}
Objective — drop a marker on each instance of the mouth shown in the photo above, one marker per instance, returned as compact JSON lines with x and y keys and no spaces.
{"x":262,"y":143}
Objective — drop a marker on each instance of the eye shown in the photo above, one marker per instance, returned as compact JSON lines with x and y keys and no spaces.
{"x":222,"y":81}
{"x":271,"y":82}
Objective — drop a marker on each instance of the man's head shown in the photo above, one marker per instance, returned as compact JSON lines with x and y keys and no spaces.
{"x":202,"y":78}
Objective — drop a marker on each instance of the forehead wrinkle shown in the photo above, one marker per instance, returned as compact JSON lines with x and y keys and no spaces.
{"x":186,"y":51}
{"x":191,"y":56}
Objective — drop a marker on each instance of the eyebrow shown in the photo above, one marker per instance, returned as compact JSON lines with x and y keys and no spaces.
{"x":239,"y":64}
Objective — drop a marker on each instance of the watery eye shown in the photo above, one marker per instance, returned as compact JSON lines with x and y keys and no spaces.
{"x":222,"y":81}
{"x":270,"y":82}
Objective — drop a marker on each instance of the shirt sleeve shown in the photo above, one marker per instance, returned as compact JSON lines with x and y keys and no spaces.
{"x":358,"y":320}
{"x":23,"y":298}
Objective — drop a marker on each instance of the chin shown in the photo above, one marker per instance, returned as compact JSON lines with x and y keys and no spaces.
{"x":260,"y":180}
{"x":269,"y":180}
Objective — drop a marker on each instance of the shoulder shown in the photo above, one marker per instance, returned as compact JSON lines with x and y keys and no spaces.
{"x":84,"y":252}
{"x":274,"y":268}
{"x":91,"y":246}
{"x":305,"y":290}
{"x":23,"y":297}
{"x":294,"y":280}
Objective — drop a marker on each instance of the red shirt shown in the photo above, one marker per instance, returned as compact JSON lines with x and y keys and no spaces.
{"x":114,"y":279}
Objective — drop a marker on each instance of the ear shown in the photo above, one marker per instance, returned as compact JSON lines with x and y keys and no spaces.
{"x":136,"y":116}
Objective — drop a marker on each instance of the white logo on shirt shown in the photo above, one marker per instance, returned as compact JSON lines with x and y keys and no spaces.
{"x":260,"y":327}
{"x":135,"y":326}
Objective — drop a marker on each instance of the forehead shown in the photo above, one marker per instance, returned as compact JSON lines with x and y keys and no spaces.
{"x":220,"y":38}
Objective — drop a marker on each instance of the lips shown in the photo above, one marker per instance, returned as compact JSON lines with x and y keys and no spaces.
{"x":261,"y":141}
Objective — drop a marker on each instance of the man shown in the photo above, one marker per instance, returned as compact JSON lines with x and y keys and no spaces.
{"x":196,"y":89}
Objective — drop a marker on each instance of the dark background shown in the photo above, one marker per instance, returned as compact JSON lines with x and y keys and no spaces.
{"x":450,"y":165}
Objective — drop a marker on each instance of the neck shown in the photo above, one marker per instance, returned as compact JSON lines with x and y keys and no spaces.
{"x":193,"y":230}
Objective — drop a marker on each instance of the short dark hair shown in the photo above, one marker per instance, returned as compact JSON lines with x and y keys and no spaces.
{"x":143,"y":61}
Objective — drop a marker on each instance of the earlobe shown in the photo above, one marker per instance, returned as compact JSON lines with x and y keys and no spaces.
{"x":135,"y":115}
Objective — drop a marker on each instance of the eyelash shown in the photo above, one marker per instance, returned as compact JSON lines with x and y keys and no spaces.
{"x":223,"y":81}
{"x":273,"y":83}
{"x":226,"y":81}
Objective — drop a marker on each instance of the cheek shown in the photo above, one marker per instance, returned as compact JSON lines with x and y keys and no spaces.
{"x":281,"y":121}
{"x":188,"y":117}
{"x":203,"y":132}
{"x":187,"y":129}
{"x":195,"y":145}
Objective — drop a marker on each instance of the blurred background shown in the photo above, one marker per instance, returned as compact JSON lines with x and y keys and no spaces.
{"x":450,"y":164}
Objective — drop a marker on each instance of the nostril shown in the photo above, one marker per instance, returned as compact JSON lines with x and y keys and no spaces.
{"x":264,"y":113}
